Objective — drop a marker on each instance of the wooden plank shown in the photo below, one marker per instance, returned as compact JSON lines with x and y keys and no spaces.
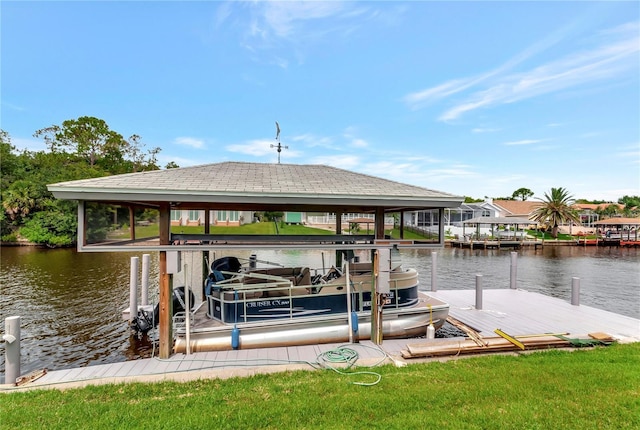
{"x":172,"y":364}
{"x":292,"y":354}
{"x":601,"y":336}
{"x":54,"y":376}
{"x":308,"y":353}
{"x":113,"y":369}
{"x":253,"y":355}
{"x":510,"y":338}
{"x":133,"y":368}
{"x":89,"y":372}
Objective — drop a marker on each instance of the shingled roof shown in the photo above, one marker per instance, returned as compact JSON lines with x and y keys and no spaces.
{"x":517,"y":207}
{"x":258,"y":184}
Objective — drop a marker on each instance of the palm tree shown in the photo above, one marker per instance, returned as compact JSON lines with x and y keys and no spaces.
{"x":556,"y":209}
{"x":19,"y":200}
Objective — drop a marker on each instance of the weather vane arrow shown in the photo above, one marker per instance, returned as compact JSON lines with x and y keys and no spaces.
{"x":280,"y":147}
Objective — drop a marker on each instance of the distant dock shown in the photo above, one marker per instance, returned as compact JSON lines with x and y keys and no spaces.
{"x":517,"y":244}
{"x":495,"y":244}
{"x":517,"y":312}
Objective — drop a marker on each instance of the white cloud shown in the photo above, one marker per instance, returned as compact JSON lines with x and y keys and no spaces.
{"x":630,"y":153}
{"x":348,"y":162}
{"x":350,"y":134}
{"x":164,"y":159}
{"x":13,"y":107}
{"x":283,"y":18}
{"x":484,"y":130}
{"x":264,"y":148}
{"x":190,"y":141}
{"x":32,"y":145}
{"x":524,"y":142}
{"x":256,"y":148}
{"x":312,"y":141}
{"x":293,"y":28}
{"x":359,"y":143}
{"x":421,"y":98}
{"x":615,"y":55}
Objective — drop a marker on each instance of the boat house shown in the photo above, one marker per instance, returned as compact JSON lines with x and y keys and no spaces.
{"x":239,"y":186}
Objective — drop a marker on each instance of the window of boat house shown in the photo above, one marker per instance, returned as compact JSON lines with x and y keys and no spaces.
{"x":175,"y":215}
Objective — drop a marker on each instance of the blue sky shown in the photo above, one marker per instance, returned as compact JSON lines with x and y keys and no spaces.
{"x":472,"y":98}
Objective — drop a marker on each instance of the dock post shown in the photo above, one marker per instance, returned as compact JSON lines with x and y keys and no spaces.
{"x":478,"y":291}
{"x":146,"y":262}
{"x":11,"y":338}
{"x":575,"y":291}
{"x":514,"y":269}
{"x":434,"y":270}
{"x":253,"y":259}
{"x":133,"y":289}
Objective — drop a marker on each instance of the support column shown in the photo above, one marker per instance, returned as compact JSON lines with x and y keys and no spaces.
{"x":478,"y":291}
{"x":514,"y":270}
{"x":132,"y":223}
{"x":164,"y":331}
{"x":207,"y":221}
{"x":379,"y":223}
{"x":82,"y":226}
{"x":575,"y":291}
{"x":338,"y":231}
{"x":441,"y":226}
{"x":11,"y":338}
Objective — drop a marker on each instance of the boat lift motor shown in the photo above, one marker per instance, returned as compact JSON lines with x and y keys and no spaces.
{"x":146,"y":321}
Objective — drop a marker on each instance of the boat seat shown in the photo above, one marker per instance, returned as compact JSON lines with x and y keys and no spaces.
{"x":304,"y":277}
{"x":284,"y":292}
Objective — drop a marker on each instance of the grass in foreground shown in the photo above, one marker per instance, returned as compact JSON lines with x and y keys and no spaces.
{"x":586,"y":389}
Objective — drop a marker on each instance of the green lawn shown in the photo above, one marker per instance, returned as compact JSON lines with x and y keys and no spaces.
{"x":253,"y":228}
{"x":594,"y":388}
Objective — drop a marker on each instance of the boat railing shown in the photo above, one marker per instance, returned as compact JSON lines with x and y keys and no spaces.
{"x":241,"y":293}
{"x":180,"y":321}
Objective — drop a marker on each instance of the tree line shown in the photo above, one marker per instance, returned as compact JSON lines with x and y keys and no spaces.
{"x":79,"y":148}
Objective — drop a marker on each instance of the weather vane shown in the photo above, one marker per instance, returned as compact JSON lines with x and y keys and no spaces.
{"x":278,"y":139}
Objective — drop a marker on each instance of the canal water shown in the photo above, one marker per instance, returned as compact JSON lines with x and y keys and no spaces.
{"x":71,"y":303}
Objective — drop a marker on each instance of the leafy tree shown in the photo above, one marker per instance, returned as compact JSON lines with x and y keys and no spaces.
{"x":273,"y":216}
{"x":140,"y":159}
{"x":631,"y":205}
{"x":87,"y":137}
{"x":611,"y":210}
{"x":50,"y":228}
{"x":472,"y":200}
{"x":523,"y":193}
{"x":9,"y":162}
{"x":99,"y":221}
{"x":556,"y":209}
{"x":171,"y":165}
